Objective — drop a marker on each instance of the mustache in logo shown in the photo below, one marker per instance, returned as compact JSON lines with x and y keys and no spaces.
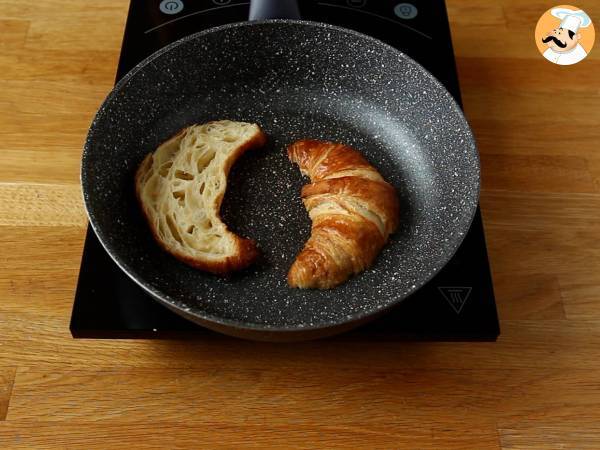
{"x":555,"y":40}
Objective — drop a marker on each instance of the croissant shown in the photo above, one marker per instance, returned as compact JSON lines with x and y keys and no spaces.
{"x":353,"y":212}
{"x":181,"y":185}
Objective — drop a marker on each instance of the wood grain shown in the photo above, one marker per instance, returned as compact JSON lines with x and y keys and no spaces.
{"x":531,"y":296}
{"x":41,"y":205}
{"x":537,"y":173}
{"x":550,"y":434}
{"x":292,"y":396}
{"x":537,"y":387}
{"x":7,"y":378}
{"x":177,"y":435}
{"x":13,"y":33}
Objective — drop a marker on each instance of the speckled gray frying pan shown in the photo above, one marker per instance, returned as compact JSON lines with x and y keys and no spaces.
{"x":297,"y":80}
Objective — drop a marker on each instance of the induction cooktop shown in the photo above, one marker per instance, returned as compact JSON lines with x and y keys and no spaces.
{"x":458,"y":304}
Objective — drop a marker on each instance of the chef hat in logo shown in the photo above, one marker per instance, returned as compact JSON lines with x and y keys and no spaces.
{"x":572,"y":19}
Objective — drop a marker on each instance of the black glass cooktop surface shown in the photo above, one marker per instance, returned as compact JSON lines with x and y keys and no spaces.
{"x":458,"y":304}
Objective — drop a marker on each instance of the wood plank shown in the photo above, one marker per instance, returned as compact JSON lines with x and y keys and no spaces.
{"x":577,"y":106}
{"x":465,"y":14}
{"x":113,"y":10}
{"x":594,"y":167}
{"x":535,"y":296}
{"x":494,"y":41}
{"x":36,"y":64}
{"x":52,"y":126}
{"x":24,"y":291}
{"x":560,"y":251}
{"x":407,"y":433}
{"x":539,"y":223}
{"x":57,"y":114}
{"x":15,"y":9}
{"x":284,"y":395}
{"x":41,"y":205}
{"x":87,"y":26}
{"x":87,"y":33}
{"x":539,"y":136}
{"x":537,"y":75}
{"x":35,"y":97}
{"x":581,"y":432}
{"x":50,"y":246}
{"x":51,"y":163}
{"x":46,"y":286}
{"x":581,"y":294}
{"x":541,"y":211}
{"x":7,"y":377}
{"x":540,"y":173}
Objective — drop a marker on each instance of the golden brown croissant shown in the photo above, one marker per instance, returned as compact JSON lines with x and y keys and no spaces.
{"x":353,"y":212}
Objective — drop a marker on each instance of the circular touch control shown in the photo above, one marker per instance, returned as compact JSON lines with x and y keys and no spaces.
{"x":171,"y":6}
{"x":221,"y":2}
{"x":406,"y":10}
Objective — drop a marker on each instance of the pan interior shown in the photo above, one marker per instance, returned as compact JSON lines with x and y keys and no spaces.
{"x":297,"y":80}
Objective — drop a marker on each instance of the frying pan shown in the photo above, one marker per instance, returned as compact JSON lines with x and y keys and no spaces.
{"x":296,"y":79}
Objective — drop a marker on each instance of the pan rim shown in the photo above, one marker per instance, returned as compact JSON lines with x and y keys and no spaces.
{"x":203,"y":317}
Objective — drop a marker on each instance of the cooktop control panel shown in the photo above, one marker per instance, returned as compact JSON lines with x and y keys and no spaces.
{"x":419,"y":28}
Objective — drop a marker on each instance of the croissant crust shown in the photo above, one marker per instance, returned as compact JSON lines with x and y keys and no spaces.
{"x":353,"y":212}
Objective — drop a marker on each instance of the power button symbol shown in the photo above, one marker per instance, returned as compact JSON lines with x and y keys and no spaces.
{"x":171,"y":6}
{"x":406,"y":10}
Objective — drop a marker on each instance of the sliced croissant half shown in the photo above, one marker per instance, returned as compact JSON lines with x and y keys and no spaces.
{"x":181,"y":185}
{"x":353,"y":212}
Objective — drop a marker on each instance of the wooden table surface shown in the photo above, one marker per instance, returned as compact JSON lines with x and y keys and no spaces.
{"x":537,"y":125}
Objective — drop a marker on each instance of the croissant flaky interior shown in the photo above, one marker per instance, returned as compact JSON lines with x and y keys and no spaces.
{"x":353,"y":212}
{"x":181,"y":185}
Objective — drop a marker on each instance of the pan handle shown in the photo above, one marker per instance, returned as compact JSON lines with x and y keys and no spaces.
{"x":274,"y":9}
